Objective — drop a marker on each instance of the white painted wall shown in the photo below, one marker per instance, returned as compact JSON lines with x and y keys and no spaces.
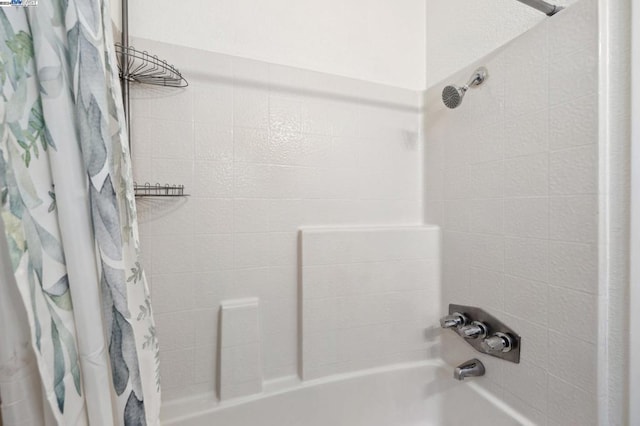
{"x":374,"y":40}
{"x":410,"y":44}
{"x":634,"y":310}
{"x":615,"y":121}
{"x":460,"y":32}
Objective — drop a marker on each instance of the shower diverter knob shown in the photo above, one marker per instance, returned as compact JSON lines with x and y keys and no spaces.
{"x":499,"y":342}
{"x":475,"y":330}
{"x":454,"y":320}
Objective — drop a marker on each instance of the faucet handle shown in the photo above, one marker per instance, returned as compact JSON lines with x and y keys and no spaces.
{"x":475,"y":330}
{"x":499,"y":342}
{"x":455,"y":320}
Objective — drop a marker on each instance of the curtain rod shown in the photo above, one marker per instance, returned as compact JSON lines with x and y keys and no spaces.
{"x":544,"y":7}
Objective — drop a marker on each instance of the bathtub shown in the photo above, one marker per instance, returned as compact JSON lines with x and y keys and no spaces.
{"x":416,"y":394}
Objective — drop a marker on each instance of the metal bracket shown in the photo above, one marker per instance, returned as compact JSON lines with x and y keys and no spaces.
{"x":493,"y":326}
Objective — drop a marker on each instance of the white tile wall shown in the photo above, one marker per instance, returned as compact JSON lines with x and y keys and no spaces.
{"x":525,"y":248}
{"x":368,"y":297}
{"x":263,"y":149}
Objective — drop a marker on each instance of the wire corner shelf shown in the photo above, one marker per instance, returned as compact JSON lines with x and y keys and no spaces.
{"x":141,"y":67}
{"x":158,"y":190}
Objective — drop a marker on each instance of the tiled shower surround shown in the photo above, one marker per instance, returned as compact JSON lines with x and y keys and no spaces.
{"x":367,"y":296}
{"x":512,"y":178}
{"x":262,"y":149}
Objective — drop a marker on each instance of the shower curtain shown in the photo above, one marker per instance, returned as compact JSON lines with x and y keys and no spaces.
{"x":77,"y":338}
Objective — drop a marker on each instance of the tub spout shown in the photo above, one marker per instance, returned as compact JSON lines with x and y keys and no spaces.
{"x":471,"y":368}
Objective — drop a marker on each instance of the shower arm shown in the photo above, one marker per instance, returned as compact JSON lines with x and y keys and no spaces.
{"x":544,"y":7}
{"x":476,"y":79}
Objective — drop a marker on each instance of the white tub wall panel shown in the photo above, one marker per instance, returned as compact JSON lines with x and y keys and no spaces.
{"x":240,"y":371}
{"x":263,"y":150}
{"x":526,"y":248}
{"x":240,"y":363}
{"x":336,"y":246}
{"x":369,"y":297}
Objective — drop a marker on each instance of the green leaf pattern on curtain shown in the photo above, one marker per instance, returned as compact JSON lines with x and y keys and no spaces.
{"x":86,"y":72}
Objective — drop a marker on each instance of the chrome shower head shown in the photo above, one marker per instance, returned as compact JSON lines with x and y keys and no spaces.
{"x":452,"y":95}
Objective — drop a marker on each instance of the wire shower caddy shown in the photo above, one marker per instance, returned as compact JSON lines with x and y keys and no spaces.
{"x":158,"y":190}
{"x":137,"y":66}
{"x":141,"y":67}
